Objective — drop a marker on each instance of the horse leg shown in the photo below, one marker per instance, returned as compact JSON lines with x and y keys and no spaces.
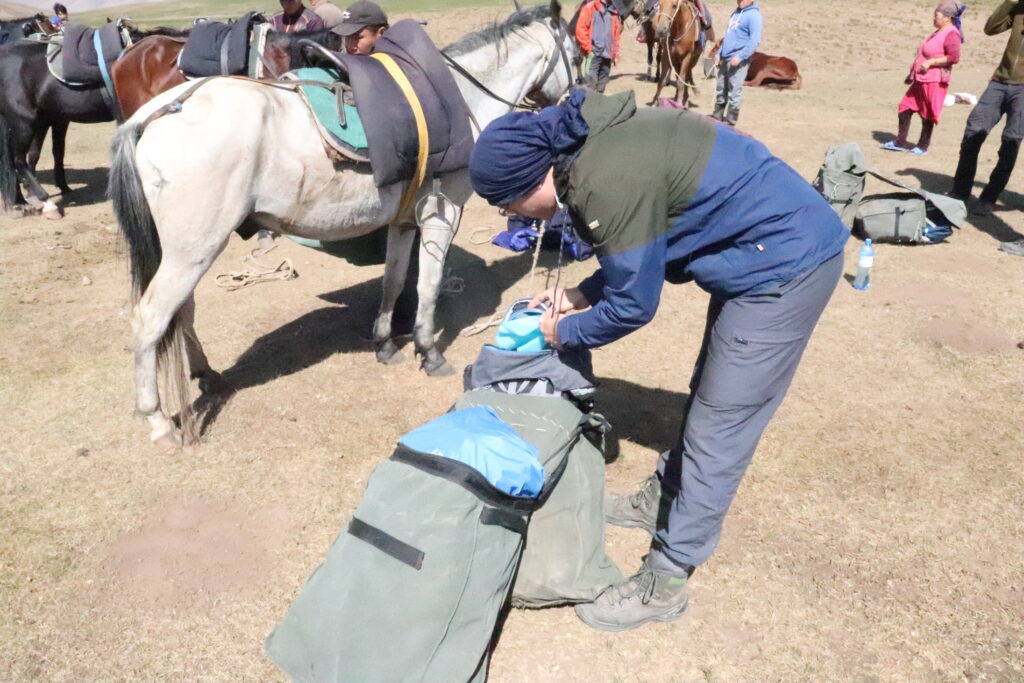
{"x":649,"y":39}
{"x":681,"y":94}
{"x":436,"y":234}
{"x":57,"y":137}
{"x":23,"y":137}
{"x":162,"y":304}
{"x":663,"y":71}
{"x":210,"y":381}
{"x":400,"y":239}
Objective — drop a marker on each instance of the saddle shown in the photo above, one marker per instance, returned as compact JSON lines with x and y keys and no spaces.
{"x":72,"y":56}
{"x":215,"y":48}
{"x":388,"y":112}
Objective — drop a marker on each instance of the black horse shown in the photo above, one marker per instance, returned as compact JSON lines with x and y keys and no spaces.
{"x":32,"y":101}
{"x":16,"y":29}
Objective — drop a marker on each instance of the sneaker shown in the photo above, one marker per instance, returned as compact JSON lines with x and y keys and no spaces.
{"x":638,"y":510}
{"x":1016,"y":248}
{"x":918,"y":150}
{"x":649,"y":595}
{"x":893,"y":147}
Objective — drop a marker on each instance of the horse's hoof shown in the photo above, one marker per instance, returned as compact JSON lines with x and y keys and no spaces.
{"x":440,"y":369}
{"x":389,"y":354}
{"x":52,"y":210}
{"x":170,"y":439}
{"x":213,"y":383}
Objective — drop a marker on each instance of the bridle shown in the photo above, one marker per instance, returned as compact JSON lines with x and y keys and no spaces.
{"x":672,"y":20}
{"x":559,"y":34}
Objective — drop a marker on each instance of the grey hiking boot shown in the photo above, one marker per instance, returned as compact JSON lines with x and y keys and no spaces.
{"x":652,"y":594}
{"x":1016,"y":248}
{"x":637,"y":510}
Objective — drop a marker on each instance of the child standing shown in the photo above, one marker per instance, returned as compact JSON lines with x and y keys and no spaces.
{"x":929,"y":78}
{"x":597,"y":32}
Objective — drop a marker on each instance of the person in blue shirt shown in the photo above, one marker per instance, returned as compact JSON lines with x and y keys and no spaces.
{"x":742,"y":37}
{"x":716,"y":208}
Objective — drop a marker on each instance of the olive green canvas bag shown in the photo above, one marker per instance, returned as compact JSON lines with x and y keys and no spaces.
{"x":412,"y":587}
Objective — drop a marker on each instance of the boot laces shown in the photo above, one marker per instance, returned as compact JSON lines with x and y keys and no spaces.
{"x":641,"y":498}
{"x":640,"y":585}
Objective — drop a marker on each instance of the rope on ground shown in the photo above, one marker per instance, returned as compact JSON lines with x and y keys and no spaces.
{"x":254,"y":273}
{"x":486,"y":231}
{"x":498,"y":316}
{"x":452,"y":285}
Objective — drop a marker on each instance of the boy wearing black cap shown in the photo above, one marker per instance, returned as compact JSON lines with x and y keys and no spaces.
{"x":363,"y":24}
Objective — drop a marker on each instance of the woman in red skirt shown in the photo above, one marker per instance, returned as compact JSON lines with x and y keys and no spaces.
{"x":929,"y":78}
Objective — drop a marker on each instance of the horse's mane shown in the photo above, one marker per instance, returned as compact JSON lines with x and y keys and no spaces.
{"x":160,"y":31}
{"x":22,"y":20}
{"x":290,"y":42}
{"x":495,"y":33}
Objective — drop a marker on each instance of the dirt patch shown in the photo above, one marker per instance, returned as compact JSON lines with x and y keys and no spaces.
{"x":965,"y":336}
{"x":191,"y":551}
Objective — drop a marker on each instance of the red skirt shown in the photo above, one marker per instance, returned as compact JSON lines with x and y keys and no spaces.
{"x":927,"y":99}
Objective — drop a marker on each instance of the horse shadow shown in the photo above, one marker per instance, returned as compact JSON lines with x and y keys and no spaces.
{"x":94,"y":180}
{"x":346,"y":326}
{"x":990,"y":224}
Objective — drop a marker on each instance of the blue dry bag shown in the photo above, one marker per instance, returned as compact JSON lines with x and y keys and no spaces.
{"x":479,"y":438}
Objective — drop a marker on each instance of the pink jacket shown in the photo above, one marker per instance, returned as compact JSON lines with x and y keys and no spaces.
{"x":941,"y":43}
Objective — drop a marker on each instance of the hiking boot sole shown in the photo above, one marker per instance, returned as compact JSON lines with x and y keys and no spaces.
{"x":616,"y":628}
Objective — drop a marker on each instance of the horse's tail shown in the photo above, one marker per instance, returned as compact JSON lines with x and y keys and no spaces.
{"x":144,"y":253}
{"x":132,"y":210}
{"x":8,"y":175}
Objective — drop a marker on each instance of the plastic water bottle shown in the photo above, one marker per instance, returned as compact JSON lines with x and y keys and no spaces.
{"x":865,"y":260}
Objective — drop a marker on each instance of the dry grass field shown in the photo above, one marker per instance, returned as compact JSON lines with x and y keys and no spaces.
{"x":878,"y":535}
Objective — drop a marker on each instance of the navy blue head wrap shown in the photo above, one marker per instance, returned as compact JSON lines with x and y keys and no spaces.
{"x":514,"y":152}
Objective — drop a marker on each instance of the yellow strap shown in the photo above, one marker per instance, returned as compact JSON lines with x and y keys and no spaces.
{"x":421,"y":128}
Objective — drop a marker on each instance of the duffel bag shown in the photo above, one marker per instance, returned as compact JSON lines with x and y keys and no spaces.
{"x":912,"y":216}
{"x":565,"y":560}
{"x":412,"y":588}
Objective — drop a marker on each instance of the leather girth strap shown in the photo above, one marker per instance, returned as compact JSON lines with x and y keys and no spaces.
{"x":421,"y":129}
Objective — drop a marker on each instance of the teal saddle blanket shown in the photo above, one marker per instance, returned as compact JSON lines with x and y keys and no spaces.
{"x":344,"y":133}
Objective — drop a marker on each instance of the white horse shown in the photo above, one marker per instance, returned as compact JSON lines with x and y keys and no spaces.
{"x":182,"y":182}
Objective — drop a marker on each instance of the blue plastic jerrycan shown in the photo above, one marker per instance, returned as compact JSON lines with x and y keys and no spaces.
{"x":520,"y":329}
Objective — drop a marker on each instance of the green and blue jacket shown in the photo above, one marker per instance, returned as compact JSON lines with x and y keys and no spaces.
{"x":668,"y":195}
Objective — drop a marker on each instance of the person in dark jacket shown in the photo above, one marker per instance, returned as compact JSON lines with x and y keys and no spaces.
{"x":294,"y":16}
{"x":598,"y":32}
{"x":716,"y":208}
{"x":1004,"y":95}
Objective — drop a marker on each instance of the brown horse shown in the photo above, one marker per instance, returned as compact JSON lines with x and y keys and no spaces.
{"x":677,"y":30}
{"x":150,"y":66}
{"x":643,"y":13}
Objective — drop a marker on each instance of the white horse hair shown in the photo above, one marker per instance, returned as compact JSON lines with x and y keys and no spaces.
{"x":185,"y":181}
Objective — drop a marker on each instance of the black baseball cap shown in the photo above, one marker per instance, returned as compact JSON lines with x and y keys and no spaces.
{"x":359,"y":15}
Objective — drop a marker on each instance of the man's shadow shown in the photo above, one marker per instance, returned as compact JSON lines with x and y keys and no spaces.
{"x":345,"y":326}
{"x":991,"y":224}
{"x":647,"y":417}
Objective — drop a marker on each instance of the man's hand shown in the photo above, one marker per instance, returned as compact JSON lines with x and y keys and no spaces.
{"x":735,"y":61}
{"x":561,"y":300}
{"x":549,"y":326}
